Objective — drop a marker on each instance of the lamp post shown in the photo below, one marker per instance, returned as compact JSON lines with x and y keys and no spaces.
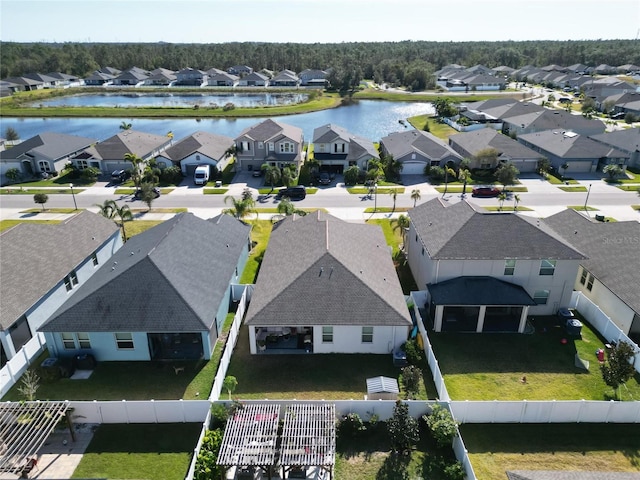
{"x":375,"y":198}
{"x":586,"y":200}
{"x":75,"y":205}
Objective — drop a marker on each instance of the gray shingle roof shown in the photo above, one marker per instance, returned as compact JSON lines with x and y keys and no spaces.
{"x":130,"y":141}
{"x":569,"y":145}
{"x":170,"y":278}
{"x":569,"y":475}
{"x":271,"y":131}
{"x":558,"y":120}
{"x":478,"y":291}
{"x":401,"y":144}
{"x":611,"y":250}
{"x":476,"y":140}
{"x":209,"y":144}
{"x":48,"y":145}
{"x":319,"y":270}
{"x":625,"y":140}
{"x":358,"y":145}
{"x":460,"y":232}
{"x":36,"y":257}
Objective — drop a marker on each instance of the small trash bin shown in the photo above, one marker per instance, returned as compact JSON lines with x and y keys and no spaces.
{"x":600,"y":355}
{"x":574,"y":327}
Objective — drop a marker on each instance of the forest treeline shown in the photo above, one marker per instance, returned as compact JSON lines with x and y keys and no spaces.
{"x":409,"y":63}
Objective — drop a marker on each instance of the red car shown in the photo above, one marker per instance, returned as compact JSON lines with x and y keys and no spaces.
{"x":485,"y":192}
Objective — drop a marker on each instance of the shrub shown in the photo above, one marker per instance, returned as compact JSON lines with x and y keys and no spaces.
{"x":171,"y":175}
{"x":402,"y":428}
{"x":436,"y":173}
{"x":90,"y":174}
{"x":442,"y":425}
{"x":13,"y":175}
{"x":415,"y":354}
{"x":228,"y":106}
{"x":411,"y":376}
{"x":454,"y":471}
{"x":351,"y":426}
{"x":351,"y":175}
{"x":206,"y":466}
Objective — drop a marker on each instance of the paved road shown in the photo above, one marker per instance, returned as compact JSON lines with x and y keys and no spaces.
{"x":545,"y":199}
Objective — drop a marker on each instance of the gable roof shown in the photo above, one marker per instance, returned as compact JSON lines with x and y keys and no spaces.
{"x":48,"y":145}
{"x":627,"y":140}
{"x":129,"y":141}
{"x":209,"y":144}
{"x":607,"y":246}
{"x":358,"y":146}
{"x":570,"y":145}
{"x":170,"y":278}
{"x":478,"y":290}
{"x":401,"y":144}
{"x":269,"y":130}
{"x":319,"y":270}
{"x":557,"y":119}
{"x":477,"y":140}
{"x":36,"y":257}
{"x":460,"y":232}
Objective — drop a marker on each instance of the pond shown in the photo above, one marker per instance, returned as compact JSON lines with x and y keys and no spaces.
{"x":371,"y":119}
{"x":173,"y":100}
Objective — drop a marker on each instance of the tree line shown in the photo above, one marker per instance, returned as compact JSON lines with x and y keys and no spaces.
{"x":408,"y":63}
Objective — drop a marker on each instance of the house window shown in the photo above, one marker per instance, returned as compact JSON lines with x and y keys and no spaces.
{"x":547,"y":267}
{"x":413,"y":156}
{"x":327,"y":334}
{"x":71,"y":281}
{"x":320,"y":147}
{"x":271,"y":147}
{"x":435,"y":163}
{"x":68,"y":341}
{"x":367,"y":334}
{"x":83,"y":340}
{"x":94,"y":259}
{"x":590,"y":282}
{"x":82,"y":164}
{"x":583,"y":276}
{"x":260,"y":145}
{"x":286,"y":147}
{"x":245,"y":146}
{"x":540,"y":297}
{"x":124,"y":341}
{"x":339,"y":148}
{"x":509,"y":267}
{"x":44,"y":166}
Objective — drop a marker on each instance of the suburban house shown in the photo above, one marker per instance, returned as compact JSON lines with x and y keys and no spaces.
{"x":240,"y":70}
{"x":487,"y":271}
{"x":190,"y":77}
{"x":610,"y":276}
{"x":44,"y":265}
{"x":339,"y":292}
{"x":416,"y":149}
{"x":285,"y":78}
{"x":623,"y":103}
{"x":336,"y":149}
{"x":222,"y":80}
{"x":99,"y":78}
{"x":161,"y":77}
{"x":108,"y":155}
{"x":133,"y":76}
{"x":45,"y":153}
{"x":579,"y":152}
{"x":551,"y":120}
{"x":200,"y":148}
{"x":164,"y":296}
{"x":275,"y":143}
{"x":469,"y":144}
{"x":493,"y":112}
{"x":47,"y":81}
{"x":313,"y":78}
{"x":64,"y":79}
{"x":254,"y":79}
{"x":626,"y":141}
{"x":25,"y":84}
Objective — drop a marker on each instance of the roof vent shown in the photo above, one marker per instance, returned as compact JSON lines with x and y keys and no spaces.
{"x":131,"y":253}
{"x":321,"y":270}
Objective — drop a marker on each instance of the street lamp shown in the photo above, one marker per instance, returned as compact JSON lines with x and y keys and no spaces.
{"x":586,"y":200}
{"x":375,"y":199}
{"x":74,"y":196}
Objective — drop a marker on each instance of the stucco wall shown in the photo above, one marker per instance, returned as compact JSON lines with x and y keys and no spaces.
{"x":348,"y":339}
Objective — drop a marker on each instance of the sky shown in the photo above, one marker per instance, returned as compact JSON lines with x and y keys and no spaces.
{"x":316,"y":21}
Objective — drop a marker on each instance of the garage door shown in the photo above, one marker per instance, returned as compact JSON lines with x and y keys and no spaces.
{"x":413,"y":168}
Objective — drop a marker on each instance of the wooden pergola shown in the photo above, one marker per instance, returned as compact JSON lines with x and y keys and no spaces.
{"x":308,"y":438}
{"x":250,"y":438}
{"x":24,"y":427}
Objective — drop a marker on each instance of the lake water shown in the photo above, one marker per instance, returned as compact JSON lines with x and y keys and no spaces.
{"x":371,"y":119}
{"x":169,"y":100}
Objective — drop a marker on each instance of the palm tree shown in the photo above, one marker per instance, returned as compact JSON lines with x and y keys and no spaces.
{"x":287,"y":176}
{"x":271,"y":175}
{"x":136,"y":173}
{"x":402,"y":223}
{"x":415,"y":196}
{"x":501,"y":198}
{"x":394,"y":194}
{"x":516,"y":201}
{"x":110,"y":209}
{"x":241,"y":208}
{"x":125,"y":126}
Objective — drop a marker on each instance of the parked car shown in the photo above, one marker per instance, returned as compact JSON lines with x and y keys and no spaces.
{"x":138,"y":194}
{"x":324,"y":178}
{"x":485,"y":192}
{"x":119,"y":176}
{"x":257,"y":173}
{"x":297,"y":192}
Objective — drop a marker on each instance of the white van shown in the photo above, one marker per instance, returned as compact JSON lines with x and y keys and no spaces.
{"x":201,"y":175}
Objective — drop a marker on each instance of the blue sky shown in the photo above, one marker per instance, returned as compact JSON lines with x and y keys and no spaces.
{"x":310,"y":21}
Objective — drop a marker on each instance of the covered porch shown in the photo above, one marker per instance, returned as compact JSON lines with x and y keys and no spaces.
{"x":282,"y":340}
{"x":175,"y":346}
{"x":478,"y":304}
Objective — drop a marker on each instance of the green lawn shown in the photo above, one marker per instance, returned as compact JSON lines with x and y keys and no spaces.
{"x":139,"y":451}
{"x":386,"y":209}
{"x":490,"y":366}
{"x":579,"y":188}
{"x":508,"y":209}
{"x":440,"y":130}
{"x":214,"y":191}
{"x":557,"y":181}
{"x":381,"y":190}
{"x":581,"y":208}
{"x":629,"y":188}
{"x":33,"y":190}
{"x":260,"y":233}
{"x":456,"y":187}
{"x":309,"y":377}
{"x":495,"y":448}
{"x":4,"y":224}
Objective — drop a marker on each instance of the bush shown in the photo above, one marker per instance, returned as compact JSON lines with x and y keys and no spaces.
{"x":228,"y":106}
{"x":305,"y":175}
{"x":442,"y":425}
{"x":415,"y":354}
{"x":436,"y":173}
{"x":171,"y":175}
{"x":90,"y":174}
{"x":351,"y":175}
{"x":206,"y":466}
{"x":454,"y":471}
{"x":351,"y":426}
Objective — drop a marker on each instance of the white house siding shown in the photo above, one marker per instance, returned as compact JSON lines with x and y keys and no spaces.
{"x":348,"y":339}
{"x":197,"y":158}
{"x":621,"y":314}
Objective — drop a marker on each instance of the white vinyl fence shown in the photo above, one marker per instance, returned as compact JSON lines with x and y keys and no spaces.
{"x":142,"y":411}
{"x":15,"y":367}
{"x":601,"y":322}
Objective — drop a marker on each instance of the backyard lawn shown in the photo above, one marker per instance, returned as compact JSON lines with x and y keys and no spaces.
{"x":309,"y":377}
{"x":142,"y":451}
{"x":490,"y":366}
{"x":495,"y":448}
